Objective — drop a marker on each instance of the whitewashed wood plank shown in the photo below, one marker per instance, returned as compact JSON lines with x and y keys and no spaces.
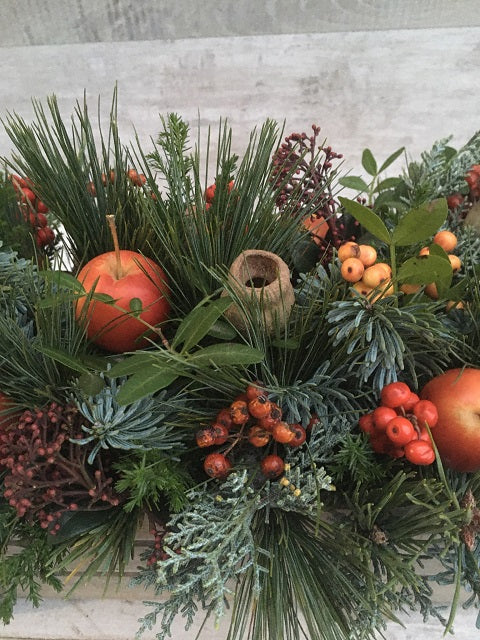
{"x":29,"y":22}
{"x":379,"y":89}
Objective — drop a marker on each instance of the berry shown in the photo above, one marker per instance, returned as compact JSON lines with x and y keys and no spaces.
{"x":411,"y":402}
{"x":382,"y":416}
{"x":273,"y":418}
{"x":348,"y":250}
{"x":272,"y":466}
{"x":455,"y":262}
{"x":400,"y":431}
{"x":366,"y":423}
{"x":419,"y":452}
{"x":395,"y":394}
{"x":445,"y":239}
{"x":224,"y":417}
{"x":368,"y":255}
{"x":426,"y":413}
{"x":221,"y":433}
{"x":210,"y":193}
{"x":454,"y":201}
{"x":259,"y":407}
{"x":216,"y":465}
{"x":205,"y":437}
{"x":300,"y":435}
{"x":41,"y":207}
{"x":377,"y":275}
{"x":239,"y":412}
{"x":258,"y":436}
{"x":352,"y":270}
{"x":253,"y":392}
{"x":283,"y":433}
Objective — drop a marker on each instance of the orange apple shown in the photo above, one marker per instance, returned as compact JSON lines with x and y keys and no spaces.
{"x":456,"y":394}
{"x":125,"y":276}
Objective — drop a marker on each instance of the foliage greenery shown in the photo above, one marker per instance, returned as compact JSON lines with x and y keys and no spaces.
{"x":335,"y":547}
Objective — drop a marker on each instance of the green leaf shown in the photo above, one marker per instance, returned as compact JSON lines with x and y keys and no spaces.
{"x":73,"y":524}
{"x":146,"y":382}
{"x":63,"y":357}
{"x":421,"y":223}
{"x":354,"y":182}
{"x":427,"y":269}
{"x":226,"y":354}
{"x":64,"y":280}
{"x":131,"y":365}
{"x":91,"y":383}
{"x":198,"y":323}
{"x":221,"y":330}
{"x":369,"y":163}
{"x":391,"y":159}
{"x":136,"y":305}
{"x":367,"y":218}
{"x":388,"y":183}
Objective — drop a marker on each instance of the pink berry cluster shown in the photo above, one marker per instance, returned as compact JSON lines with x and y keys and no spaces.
{"x":398,"y":426}
{"x":33,"y":210}
{"x":46,"y":472}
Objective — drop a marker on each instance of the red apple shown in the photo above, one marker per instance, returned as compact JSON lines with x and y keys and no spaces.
{"x":456,"y":394}
{"x":125,"y":276}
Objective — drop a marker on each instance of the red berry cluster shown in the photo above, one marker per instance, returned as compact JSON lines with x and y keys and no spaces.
{"x":473,"y":180}
{"x":210,"y":193}
{"x":398,"y":426}
{"x":33,"y":210}
{"x":46,"y":472}
{"x":158,"y":552}
{"x":251,"y":420}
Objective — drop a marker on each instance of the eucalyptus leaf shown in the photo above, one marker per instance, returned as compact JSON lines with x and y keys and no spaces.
{"x":367,"y":218}
{"x":369,"y":163}
{"x":421,"y":223}
{"x":391,"y":159}
{"x":146,"y":382}
{"x":353,"y":182}
{"x":226,"y":354}
{"x":197,"y":324}
{"x":62,"y":357}
{"x":222,"y":330}
{"x":132,"y":364}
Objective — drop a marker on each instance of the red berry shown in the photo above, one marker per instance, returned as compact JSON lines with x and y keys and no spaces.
{"x":254,"y":391}
{"x":366,"y":423}
{"x":273,"y":418}
{"x":400,"y":431}
{"x":224,"y":417}
{"x":380,"y":443}
{"x":426,"y":413}
{"x":411,"y":402}
{"x":44,"y":237}
{"x":258,"y":436}
{"x":282,"y":432}
{"x":454,"y":201}
{"x":395,"y":394}
{"x":313,"y":422}
{"x":382,"y":416}
{"x":41,"y":207}
{"x":210,"y":193}
{"x":28,"y":196}
{"x":300,"y":435}
{"x":216,"y":465}
{"x":419,"y":452}
{"x":221,"y":433}
{"x":272,"y":466}
{"x":41,"y":220}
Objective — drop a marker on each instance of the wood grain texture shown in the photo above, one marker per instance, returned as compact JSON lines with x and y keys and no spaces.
{"x":380,"y":89}
{"x":30,"y":22}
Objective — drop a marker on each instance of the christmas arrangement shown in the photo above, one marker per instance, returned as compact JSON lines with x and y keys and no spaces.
{"x":277,"y":366}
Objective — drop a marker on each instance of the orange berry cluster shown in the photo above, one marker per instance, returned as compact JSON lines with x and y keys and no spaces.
{"x":137,"y":179}
{"x":210,"y":193}
{"x":254,"y":420}
{"x":33,"y":210}
{"x":398,"y":426}
{"x":360,"y":267}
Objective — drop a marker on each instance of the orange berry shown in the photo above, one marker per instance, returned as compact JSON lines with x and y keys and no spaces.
{"x":352,"y":270}
{"x":431,"y":291}
{"x":409,"y":288}
{"x":348,"y":250}
{"x":446,"y":239}
{"x":377,"y":274}
{"x":362,"y":288}
{"x":455,"y":262}
{"x":454,"y":304}
{"x":384,"y":292}
{"x":424,"y":251}
{"x":368,"y":254}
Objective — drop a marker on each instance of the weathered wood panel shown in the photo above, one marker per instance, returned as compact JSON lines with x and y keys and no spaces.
{"x":30,"y":22}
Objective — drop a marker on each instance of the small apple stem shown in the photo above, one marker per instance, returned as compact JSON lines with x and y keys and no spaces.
{"x":113,"y":230}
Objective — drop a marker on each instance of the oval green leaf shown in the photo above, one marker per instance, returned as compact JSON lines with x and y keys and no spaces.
{"x":369,"y":163}
{"x":367,"y":218}
{"x":353,"y":182}
{"x":421,"y":223}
